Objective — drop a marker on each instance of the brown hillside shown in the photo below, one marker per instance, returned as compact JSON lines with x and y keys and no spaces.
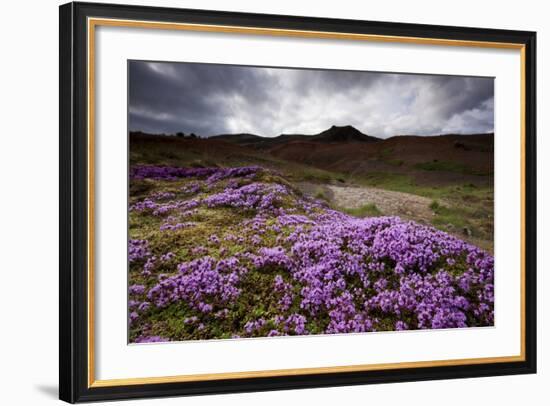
{"x":435,"y":160}
{"x":472,"y":154}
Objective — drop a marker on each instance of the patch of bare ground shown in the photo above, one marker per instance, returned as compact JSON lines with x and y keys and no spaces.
{"x":389,"y":203}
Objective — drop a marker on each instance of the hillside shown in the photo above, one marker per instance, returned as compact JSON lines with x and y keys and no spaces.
{"x":218,"y":253}
{"x":215,"y":152}
{"x":452,"y":173}
{"x":468,"y":156}
{"x":429,"y":161}
{"x":334,"y":134}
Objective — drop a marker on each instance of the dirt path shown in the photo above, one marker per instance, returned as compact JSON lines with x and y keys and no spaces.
{"x":388,"y":202}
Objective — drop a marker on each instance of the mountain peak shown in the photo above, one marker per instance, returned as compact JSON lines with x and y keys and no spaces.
{"x":346,"y":133}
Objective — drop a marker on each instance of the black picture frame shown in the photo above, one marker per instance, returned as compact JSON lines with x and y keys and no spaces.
{"x":74,"y":385}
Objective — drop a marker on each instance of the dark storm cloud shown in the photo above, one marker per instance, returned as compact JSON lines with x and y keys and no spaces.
{"x":217,"y":99}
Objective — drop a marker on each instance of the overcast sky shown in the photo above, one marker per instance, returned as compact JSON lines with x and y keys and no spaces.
{"x":218,"y":99}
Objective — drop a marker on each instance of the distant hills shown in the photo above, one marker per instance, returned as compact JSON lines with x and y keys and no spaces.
{"x":335,"y":134}
{"x":429,"y":160}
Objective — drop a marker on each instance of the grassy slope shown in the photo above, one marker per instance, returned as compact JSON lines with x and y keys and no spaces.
{"x":212,"y":153}
{"x":468,"y":199}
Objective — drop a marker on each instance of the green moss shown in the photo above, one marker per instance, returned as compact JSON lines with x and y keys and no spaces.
{"x":395,"y":162}
{"x":448,"y":166}
{"x":320,"y":194}
{"x":367,"y":210}
{"x":388,"y":180}
{"x":454,"y":218}
{"x":434,"y":205}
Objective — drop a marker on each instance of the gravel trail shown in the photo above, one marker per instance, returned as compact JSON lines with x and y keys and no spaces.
{"x":388,"y":202}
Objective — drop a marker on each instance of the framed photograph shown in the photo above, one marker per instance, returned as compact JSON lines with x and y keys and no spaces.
{"x":257,"y":202}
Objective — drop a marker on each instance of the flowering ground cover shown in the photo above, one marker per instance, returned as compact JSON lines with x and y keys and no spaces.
{"x":240,"y":252}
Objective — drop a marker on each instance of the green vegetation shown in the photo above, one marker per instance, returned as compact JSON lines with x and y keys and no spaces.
{"x":434,"y":205}
{"x":454,"y":216}
{"x":475,"y":221}
{"x":367,"y":210}
{"x":320,"y":194}
{"x":385,"y":156}
{"x":404,"y":183}
{"x":387,"y":180}
{"x":447,"y":166}
{"x":385,"y":153}
{"x":309,"y":174}
{"x":395,"y":162}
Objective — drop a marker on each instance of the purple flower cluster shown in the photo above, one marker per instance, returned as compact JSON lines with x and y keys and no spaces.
{"x":362,"y":271}
{"x":168,"y":172}
{"x":174,"y":173}
{"x":151,"y":339}
{"x":138,"y":250}
{"x":202,"y":284}
{"x":256,"y":195}
{"x":240,"y":172}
